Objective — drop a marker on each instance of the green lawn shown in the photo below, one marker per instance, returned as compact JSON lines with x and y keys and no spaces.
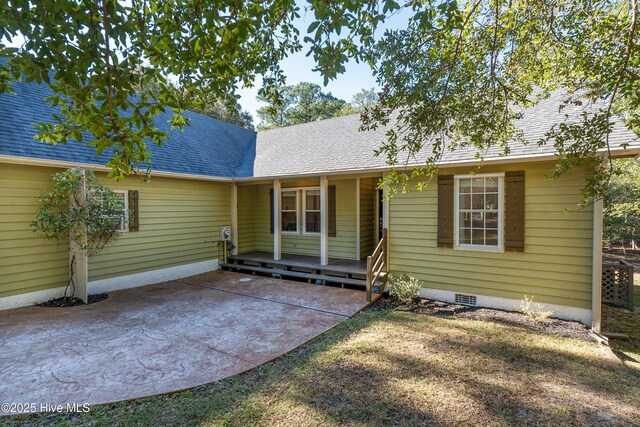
{"x":400,"y":368}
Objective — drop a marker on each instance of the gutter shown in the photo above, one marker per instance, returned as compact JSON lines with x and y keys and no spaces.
{"x":64,"y":164}
{"x":621,"y":152}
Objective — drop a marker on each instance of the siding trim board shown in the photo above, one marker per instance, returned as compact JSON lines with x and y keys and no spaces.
{"x":112,"y":284}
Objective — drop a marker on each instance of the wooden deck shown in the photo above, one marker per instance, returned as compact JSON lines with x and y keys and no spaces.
{"x":301,"y":267}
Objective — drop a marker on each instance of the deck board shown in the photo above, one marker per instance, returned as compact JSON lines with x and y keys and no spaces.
{"x":346,"y":266}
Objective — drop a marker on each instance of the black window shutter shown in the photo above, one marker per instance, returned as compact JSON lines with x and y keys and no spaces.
{"x":134,"y":220}
{"x":445,"y":211}
{"x":332,"y":211}
{"x":271,"y":209}
{"x":514,"y":211}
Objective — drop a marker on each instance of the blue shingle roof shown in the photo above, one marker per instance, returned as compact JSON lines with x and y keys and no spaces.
{"x":206,"y":147}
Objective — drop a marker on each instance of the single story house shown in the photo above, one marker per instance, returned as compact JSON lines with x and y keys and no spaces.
{"x":489,"y":238}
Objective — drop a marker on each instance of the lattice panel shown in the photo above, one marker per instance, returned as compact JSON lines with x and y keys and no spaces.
{"x":617,"y":285}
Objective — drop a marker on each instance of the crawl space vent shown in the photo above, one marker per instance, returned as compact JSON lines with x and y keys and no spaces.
{"x":465,"y":299}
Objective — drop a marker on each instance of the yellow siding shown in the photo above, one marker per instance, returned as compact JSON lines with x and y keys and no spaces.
{"x":28,"y":263}
{"x":177,"y":218}
{"x":555,"y":267}
{"x":246,"y":213}
{"x":342,"y":246}
{"x":367,"y":216}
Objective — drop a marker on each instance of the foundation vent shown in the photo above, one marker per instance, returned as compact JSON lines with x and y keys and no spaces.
{"x":466,"y":299}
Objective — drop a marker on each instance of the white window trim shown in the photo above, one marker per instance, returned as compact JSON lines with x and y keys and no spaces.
{"x":125,"y":197}
{"x":304,"y":212}
{"x":296,"y":210}
{"x":456,"y":213}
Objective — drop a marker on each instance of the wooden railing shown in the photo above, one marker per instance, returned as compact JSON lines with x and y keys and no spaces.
{"x":617,"y":283}
{"x":377,"y":268}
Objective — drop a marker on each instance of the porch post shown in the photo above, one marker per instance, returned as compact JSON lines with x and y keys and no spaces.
{"x":78,"y":260}
{"x":324,"y":220}
{"x":234,"y":218}
{"x":277,"y":220}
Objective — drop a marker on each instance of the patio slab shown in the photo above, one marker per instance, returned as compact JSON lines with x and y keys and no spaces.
{"x":161,"y":338}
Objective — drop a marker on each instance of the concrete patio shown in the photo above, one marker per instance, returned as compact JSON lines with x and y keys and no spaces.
{"x":161,"y":338}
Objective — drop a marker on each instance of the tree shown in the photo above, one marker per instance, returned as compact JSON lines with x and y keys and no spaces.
{"x":460,"y":73}
{"x":78,"y":209}
{"x":229,"y":111}
{"x":622,"y":205}
{"x":94,"y":55}
{"x":226,"y":109}
{"x":457,"y":76}
{"x":302,"y":103}
{"x":364,"y":100}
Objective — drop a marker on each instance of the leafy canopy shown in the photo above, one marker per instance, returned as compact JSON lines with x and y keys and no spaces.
{"x":301,"y":103}
{"x":460,"y":72}
{"x":95,"y":55}
{"x":622,"y":205}
{"x":306,"y":102}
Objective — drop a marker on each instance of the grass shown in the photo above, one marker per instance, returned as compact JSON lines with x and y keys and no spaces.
{"x":387,"y":367}
{"x":622,"y":321}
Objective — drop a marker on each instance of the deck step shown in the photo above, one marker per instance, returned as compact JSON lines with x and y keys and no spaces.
{"x":296,"y":274}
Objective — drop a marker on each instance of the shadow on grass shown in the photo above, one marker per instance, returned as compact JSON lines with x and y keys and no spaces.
{"x":398,"y":368}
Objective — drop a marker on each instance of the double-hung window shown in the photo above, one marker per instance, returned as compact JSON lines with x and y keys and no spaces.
{"x":122,"y":204}
{"x":311,"y":208}
{"x":479,"y":210}
{"x":289,"y":211}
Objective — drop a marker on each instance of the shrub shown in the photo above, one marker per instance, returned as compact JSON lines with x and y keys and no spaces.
{"x":534,"y":310}
{"x":79,"y":210}
{"x":403,"y":287}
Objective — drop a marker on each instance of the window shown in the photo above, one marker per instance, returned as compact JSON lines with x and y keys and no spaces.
{"x":311,"y":210}
{"x":478,"y":211}
{"x":290,"y":211}
{"x":123,"y":206}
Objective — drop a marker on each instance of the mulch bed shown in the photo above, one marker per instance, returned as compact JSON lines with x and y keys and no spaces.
{"x":552,"y":326}
{"x":68,"y":302}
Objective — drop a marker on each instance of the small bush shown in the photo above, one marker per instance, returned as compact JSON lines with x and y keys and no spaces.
{"x":534,"y":310}
{"x":403,"y":287}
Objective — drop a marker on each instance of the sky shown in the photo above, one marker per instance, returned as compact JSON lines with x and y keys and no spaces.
{"x":298,"y":68}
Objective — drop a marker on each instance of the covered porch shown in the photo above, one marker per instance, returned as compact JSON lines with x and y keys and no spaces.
{"x":320,"y":228}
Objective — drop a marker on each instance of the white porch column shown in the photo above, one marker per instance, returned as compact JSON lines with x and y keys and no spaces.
{"x":358,"y":249}
{"x":324,"y":220}
{"x":234,"y":217}
{"x":277,"y":220}
{"x":596,"y":269}
{"x":78,"y":261}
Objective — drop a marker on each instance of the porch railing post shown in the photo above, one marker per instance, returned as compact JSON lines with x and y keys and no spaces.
{"x":277,"y":218}
{"x":369,"y":278}
{"x":385,"y":247}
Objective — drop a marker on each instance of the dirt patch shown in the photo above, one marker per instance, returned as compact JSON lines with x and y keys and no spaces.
{"x":68,"y":302}
{"x":552,"y":326}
